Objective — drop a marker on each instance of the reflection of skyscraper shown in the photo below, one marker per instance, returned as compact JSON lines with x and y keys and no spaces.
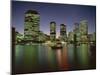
{"x":31,"y":29}
{"x":83,"y":30}
{"x":52,"y":31}
{"x":63,"y":32}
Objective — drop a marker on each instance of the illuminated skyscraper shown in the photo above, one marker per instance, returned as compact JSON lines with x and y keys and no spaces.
{"x":84,"y":27}
{"x":31,"y":26}
{"x":76,"y":32}
{"x":76,"y":28}
{"x":83,"y":30}
{"x":70,"y":37}
{"x":63,"y":32}
{"x":53,"y":31}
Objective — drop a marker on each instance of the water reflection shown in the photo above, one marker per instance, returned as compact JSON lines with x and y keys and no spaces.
{"x":19,"y":58}
{"x":30,"y":62}
{"x":78,"y":56}
{"x":52,"y":61}
{"x":62,"y":58}
{"x":42,"y":58}
{"x":84,"y":56}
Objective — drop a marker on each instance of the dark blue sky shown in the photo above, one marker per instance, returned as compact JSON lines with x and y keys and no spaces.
{"x":60,"y":13}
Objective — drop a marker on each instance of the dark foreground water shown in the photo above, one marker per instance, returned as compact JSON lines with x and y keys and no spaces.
{"x":42,"y":58}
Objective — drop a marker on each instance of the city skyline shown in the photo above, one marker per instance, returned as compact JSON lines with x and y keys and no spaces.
{"x":50,"y":37}
{"x":61,"y":14}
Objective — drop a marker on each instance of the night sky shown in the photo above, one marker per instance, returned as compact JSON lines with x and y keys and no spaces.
{"x":60,"y":13}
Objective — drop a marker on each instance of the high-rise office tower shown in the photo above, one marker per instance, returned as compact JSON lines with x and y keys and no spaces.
{"x":52,"y":31}
{"x":84,"y":27}
{"x":63,"y":34}
{"x":83,"y":30}
{"x":76,"y":32}
{"x":76,"y":28}
{"x":31,"y":26}
{"x":70,"y":36}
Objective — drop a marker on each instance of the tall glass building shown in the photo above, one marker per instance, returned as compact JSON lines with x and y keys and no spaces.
{"x":63,"y":34}
{"x":31,"y":26}
{"x":70,"y":37}
{"x":83,"y":30}
{"x":52,"y":31}
{"x":76,"y":32}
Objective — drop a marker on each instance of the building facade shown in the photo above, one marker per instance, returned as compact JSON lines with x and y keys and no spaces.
{"x":63,"y":34}
{"x":19,"y":37}
{"x":71,"y":37}
{"x":76,"y":32}
{"x":92,"y":37}
{"x":31,"y":25}
{"x":83,"y":28}
{"x":53,"y":31}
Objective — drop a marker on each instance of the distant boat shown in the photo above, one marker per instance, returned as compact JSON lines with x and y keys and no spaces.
{"x":57,"y":45}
